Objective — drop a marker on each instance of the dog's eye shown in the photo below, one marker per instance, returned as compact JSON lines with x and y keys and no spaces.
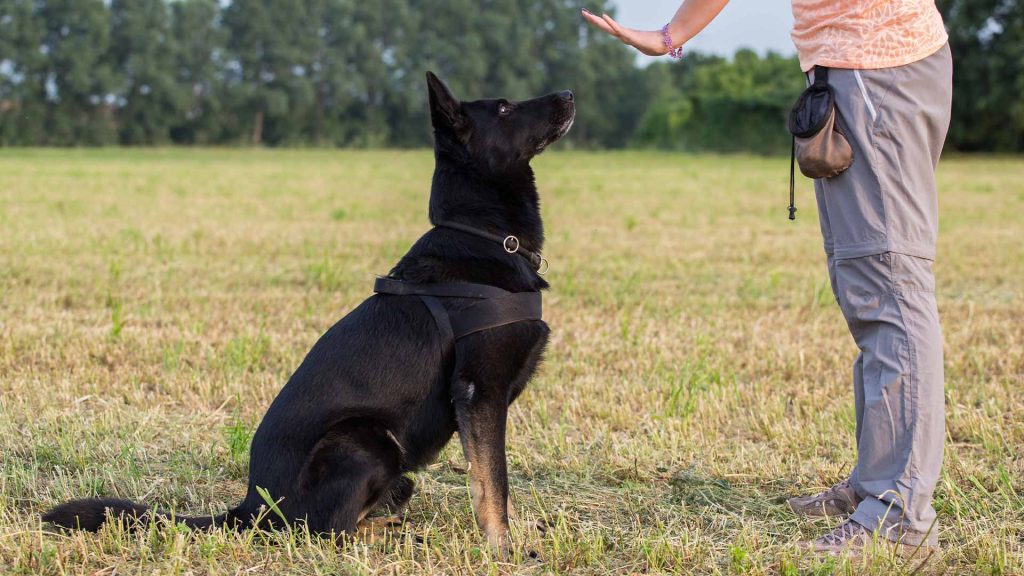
{"x":504,"y":109}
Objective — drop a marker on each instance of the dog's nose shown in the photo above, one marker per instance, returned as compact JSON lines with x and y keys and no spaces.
{"x":566,"y":95}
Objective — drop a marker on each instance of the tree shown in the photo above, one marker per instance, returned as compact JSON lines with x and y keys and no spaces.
{"x":987,"y":40}
{"x":382,"y":52}
{"x":77,"y":78}
{"x":142,"y":49}
{"x":22,"y":69}
{"x":272,"y":43}
{"x":199,"y":40}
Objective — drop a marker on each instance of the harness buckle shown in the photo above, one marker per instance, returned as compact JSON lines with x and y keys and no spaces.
{"x":513,"y":241}
{"x":543,"y":268}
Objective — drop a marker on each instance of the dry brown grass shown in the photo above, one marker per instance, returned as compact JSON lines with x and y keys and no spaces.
{"x":153,"y":302}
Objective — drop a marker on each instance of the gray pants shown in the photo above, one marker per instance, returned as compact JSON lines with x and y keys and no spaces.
{"x":879,"y":221}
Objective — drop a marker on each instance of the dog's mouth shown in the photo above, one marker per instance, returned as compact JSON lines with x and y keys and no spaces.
{"x":563,"y":128}
{"x":566,"y":125}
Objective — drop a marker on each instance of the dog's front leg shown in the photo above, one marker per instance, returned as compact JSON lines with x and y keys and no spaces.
{"x":481,"y":413}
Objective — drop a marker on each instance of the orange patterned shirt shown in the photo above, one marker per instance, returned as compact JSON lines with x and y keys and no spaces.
{"x":866,"y":33}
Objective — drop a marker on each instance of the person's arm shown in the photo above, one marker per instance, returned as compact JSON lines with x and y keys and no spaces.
{"x":690,"y":19}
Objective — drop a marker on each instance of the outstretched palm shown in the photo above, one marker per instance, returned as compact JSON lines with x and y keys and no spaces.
{"x":648,"y":42}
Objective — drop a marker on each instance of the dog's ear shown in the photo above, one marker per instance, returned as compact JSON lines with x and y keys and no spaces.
{"x":445,"y":108}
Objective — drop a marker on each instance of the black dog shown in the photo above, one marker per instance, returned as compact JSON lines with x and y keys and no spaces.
{"x":385,"y":388}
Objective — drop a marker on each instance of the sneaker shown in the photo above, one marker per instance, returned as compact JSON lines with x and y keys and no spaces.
{"x":840,"y":500}
{"x":853,"y":539}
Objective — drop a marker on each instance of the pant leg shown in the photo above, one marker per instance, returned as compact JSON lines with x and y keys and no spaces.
{"x":888,"y":301}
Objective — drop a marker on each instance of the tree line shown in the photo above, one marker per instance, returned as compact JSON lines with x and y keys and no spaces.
{"x":350,"y":73}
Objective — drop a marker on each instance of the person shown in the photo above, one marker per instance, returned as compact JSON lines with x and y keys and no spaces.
{"x":890,"y":67}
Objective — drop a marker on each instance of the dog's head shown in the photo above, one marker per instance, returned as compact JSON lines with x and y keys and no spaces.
{"x":497,"y":133}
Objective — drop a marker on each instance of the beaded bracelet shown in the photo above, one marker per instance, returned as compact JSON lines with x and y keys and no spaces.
{"x":666,"y":38}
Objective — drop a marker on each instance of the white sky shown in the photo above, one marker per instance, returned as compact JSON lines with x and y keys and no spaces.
{"x":759,"y":24}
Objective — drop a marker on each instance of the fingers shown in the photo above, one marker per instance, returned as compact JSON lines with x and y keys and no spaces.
{"x":626,"y":35}
{"x":597,"y":22}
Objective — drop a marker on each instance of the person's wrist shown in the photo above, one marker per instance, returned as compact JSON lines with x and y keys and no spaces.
{"x":670,"y":42}
{"x":653,"y":45}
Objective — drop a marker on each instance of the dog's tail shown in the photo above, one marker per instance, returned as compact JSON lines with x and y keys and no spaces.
{"x":91,"y":513}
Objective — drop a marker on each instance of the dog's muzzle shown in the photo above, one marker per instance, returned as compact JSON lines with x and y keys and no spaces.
{"x":569,"y":103}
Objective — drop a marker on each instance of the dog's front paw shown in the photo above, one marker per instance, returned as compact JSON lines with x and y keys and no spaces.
{"x":377,"y":527}
{"x":497,"y":539}
{"x":390,"y":521}
{"x":501,"y":547}
{"x":499,"y":543}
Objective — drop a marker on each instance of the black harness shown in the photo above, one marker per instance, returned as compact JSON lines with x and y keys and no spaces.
{"x":493,"y":306}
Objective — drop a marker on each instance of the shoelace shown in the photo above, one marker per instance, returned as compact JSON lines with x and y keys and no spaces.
{"x":792,"y":180}
{"x":844,"y":532}
{"x":841,"y":485}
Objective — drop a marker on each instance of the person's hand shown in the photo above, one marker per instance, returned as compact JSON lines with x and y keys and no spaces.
{"x":648,"y":42}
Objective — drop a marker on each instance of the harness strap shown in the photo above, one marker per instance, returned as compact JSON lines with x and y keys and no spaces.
{"x":440,"y":318}
{"x":495,"y":312}
{"x":494,"y":307}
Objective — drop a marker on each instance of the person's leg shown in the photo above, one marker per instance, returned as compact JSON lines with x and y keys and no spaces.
{"x":889,"y":304}
{"x":882,"y":223}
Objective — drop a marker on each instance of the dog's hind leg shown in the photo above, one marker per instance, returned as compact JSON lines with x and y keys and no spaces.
{"x":348,"y":473}
{"x":386,"y":514}
{"x":397,"y":496}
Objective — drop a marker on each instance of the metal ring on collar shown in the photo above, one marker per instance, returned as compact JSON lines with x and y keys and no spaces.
{"x":515,"y":244}
{"x":543,"y":268}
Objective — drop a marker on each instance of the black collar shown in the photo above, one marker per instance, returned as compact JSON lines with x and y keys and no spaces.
{"x":510,"y":243}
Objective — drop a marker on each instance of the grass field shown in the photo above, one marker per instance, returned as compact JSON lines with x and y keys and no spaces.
{"x":153,"y":302}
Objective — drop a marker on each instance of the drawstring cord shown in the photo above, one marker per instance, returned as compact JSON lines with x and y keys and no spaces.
{"x":792,"y":180}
